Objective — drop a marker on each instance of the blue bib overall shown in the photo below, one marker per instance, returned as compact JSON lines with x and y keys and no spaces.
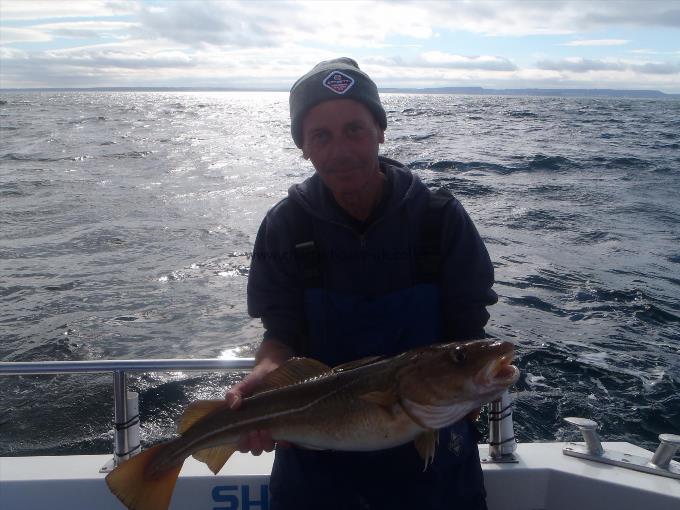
{"x":347,"y":327}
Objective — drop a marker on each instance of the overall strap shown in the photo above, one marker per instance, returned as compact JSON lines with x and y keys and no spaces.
{"x":429,"y":256}
{"x":306,"y":251}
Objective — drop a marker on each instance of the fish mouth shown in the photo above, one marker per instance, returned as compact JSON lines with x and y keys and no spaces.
{"x":501,"y":371}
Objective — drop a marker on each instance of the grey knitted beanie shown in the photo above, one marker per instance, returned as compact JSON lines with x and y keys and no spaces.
{"x":340,"y":78}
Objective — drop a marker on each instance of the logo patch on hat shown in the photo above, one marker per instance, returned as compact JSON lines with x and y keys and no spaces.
{"x":338,"y":82}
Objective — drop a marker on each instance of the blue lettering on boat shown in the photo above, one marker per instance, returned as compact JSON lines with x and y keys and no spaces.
{"x":228,"y":497}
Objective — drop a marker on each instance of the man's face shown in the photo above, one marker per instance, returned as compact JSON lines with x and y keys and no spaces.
{"x":341,"y":138}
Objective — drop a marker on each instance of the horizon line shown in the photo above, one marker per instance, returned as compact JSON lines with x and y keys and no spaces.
{"x":416,"y":90}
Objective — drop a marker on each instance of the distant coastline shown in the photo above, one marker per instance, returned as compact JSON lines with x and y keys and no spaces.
{"x":652,"y":94}
{"x":481,"y":91}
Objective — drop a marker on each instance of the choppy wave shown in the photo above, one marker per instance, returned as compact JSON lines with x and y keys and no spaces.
{"x":537,"y":162}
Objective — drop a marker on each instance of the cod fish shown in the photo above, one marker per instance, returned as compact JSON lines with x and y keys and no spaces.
{"x":369,"y":404}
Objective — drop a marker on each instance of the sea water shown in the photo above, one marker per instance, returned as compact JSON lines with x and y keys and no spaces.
{"x":127,"y":220}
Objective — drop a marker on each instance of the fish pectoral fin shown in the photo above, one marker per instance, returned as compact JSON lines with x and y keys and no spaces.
{"x":293,"y":371}
{"x":197,"y":411}
{"x":216,"y":457}
{"x":385,"y":399}
{"x":138,"y":487}
{"x":426,"y":444}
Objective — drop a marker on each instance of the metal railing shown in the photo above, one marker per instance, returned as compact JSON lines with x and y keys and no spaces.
{"x":132,"y":365}
{"x":502,"y":442}
{"x":126,"y":427}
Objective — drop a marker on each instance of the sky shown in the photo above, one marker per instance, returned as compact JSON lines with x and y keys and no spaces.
{"x":617,"y":44}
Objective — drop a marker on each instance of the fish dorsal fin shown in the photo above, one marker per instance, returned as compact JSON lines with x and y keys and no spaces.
{"x":197,"y":411}
{"x":216,"y":457}
{"x":426,"y":444}
{"x":293,"y":371}
{"x":357,"y":363}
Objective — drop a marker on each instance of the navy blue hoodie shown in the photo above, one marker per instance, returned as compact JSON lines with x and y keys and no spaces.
{"x":371,"y":294}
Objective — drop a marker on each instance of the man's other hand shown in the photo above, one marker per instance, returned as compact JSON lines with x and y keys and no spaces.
{"x":269,"y":357}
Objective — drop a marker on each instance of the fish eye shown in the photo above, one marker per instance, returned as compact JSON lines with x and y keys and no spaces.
{"x":458,"y":355}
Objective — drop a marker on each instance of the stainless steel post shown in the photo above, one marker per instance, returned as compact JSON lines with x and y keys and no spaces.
{"x":495,"y":450}
{"x":588,"y":429}
{"x":666,"y":450}
{"x":502,"y":444}
{"x":121,"y":446}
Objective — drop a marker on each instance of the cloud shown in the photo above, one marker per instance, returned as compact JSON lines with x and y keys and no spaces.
{"x":220,"y":22}
{"x":136,"y":62}
{"x":583,"y":65}
{"x":11,"y":35}
{"x":111,"y":59}
{"x":443,"y":61}
{"x":548,"y":17}
{"x":350,"y":24}
{"x":129,"y":54}
{"x":580,"y":65}
{"x":35,"y":10}
{"x":85,"y":29}
{"x":283,"y":23}
{"x":439,"y":58}
{"x":71,"y":30}
{"x":597,"y":42}
{"x":652,"y":13}
{"x":646,"y":51}
{"x":657,"y":68}
{"x":271,"y":43}
{"x":214,"y":23}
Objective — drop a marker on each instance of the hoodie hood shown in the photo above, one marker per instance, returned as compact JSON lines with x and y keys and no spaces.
{"x":313,"y":195}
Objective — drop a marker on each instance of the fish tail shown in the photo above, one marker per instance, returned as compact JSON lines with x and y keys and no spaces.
{"x":139,"y":486}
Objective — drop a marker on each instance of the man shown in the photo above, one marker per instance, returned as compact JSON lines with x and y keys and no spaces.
{"x":362,"y":259}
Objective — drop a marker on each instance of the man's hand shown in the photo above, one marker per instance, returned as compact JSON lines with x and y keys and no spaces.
{"x":269,"y":357}
{"x":257,"y":441}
